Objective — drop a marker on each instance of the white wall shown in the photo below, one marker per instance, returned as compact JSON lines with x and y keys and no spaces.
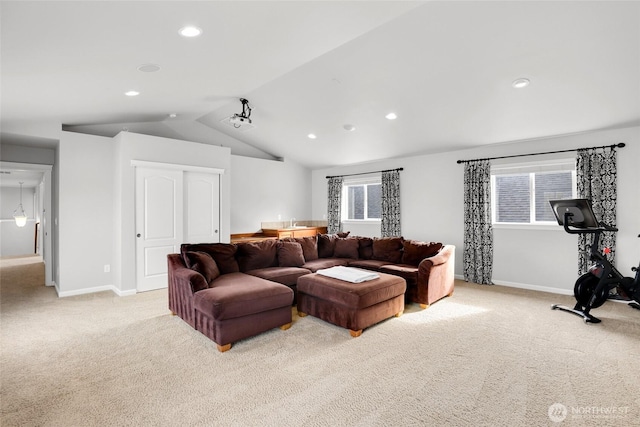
{"x":24,"y":154}
{"x":85,"y":221}
{"x":263,"y":189}
{"x":432,"y":209}
{"x":96,"y":218}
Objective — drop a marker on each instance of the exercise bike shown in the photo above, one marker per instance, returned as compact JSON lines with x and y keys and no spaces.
{"x":593,"y":288}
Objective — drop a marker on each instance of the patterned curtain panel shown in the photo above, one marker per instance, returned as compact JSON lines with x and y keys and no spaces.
{"x":596,"y":172}
{"x":478,"y":231}
{"x":334,"y":205}
{"x":390,"y":221}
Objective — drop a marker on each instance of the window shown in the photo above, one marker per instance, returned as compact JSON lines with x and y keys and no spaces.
{"x":362,"y":199}
{"x":521,"y":193}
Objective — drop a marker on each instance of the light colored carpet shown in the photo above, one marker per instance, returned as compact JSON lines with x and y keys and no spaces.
{"x":487,"y":356}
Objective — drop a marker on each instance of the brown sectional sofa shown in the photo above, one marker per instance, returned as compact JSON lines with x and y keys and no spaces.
{"x":234,"y":291}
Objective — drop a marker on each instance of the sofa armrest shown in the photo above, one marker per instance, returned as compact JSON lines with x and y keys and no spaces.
{"x":183,"y":284}
{"x":436,"y":276}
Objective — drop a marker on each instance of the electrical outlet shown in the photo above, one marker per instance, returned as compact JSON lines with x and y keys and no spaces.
{"x":107,"y":268}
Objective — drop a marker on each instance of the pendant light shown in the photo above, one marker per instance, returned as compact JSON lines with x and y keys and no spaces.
{"x":18,"y":214}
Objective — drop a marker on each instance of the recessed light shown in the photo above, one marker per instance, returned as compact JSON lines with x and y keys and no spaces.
{"x":350,"y":128}
{"x":311,"y":136}
{"x":190,"y":31}
{"x":173,"y":115}
{"x":132,"y":93}
{"x":391,"y":116}
{"x":149,"y":68}
{"x":520,"y":83}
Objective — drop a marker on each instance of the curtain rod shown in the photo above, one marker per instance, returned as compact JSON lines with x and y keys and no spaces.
{"x":619,"y":145}
{"x":365,"y":173}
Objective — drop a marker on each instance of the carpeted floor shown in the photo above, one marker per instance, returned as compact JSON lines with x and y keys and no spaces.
{"x":487,"y":356}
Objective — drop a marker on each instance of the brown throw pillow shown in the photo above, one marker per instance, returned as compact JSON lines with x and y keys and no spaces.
{"x":309,"y":247}
{"x":290,"y":254}
{"x":346,"y":248}
{"x":415,"y":251}
{"x":255,"y":255}
{"x":365,"y":247}
{"x":222,"y":253}
{"x":326,"y":245}
{"x":203,"y":264}
{"x":388,"y":249}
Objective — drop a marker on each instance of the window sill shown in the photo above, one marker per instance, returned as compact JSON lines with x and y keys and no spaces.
{"x":361,"y":221}
{"x":530,"y":227}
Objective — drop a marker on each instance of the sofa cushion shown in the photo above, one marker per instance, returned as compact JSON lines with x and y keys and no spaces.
{"x":309,"y":247}
{"x":222,"y":253}
{"x":326,"y":245}
{"x":290,"y":254}
{"x":414,"y":251}
{"x":285,"y":275}
{"x":407,"y":272}
{"x":203,"y":264}
{"x":321,"y":263}
{"x":369,"y":264}
{"x":346,"y":248}
{"x":365,"y":247}
{"x":253,"y":255}
{"x":388,"y":249}
{"x":238,"y":294}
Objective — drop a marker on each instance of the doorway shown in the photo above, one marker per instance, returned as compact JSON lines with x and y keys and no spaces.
{"x":173,"y":206}
{"x":37,"y":186}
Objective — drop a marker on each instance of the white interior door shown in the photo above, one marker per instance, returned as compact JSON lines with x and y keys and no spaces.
{"x":159,"y":224}
{"x":202,"y":204}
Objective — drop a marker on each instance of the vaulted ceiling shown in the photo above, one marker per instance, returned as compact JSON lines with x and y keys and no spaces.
{"x":311,"y":67}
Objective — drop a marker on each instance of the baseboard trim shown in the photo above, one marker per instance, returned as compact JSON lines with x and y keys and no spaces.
{"x":527,"y":286}
{"x":94,"y":290}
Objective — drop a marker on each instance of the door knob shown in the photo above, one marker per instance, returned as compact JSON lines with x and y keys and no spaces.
{"x":138,"y":235}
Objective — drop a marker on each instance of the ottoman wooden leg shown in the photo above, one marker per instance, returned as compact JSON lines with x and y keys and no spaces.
{"x":285,"y":326}
{"x":423,"y":306}
{"x":301,"y":314}
{"x":398,"y":314}
{"x":355,"y":334}
{"x":223,"y":348}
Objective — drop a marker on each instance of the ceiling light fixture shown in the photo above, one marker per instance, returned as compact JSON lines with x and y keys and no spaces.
{"x":149,"y":68}
{"x":132,"y":93}
{"x":312,"y":136}
{"x":349,"y":128}
{"x":173,"y":115}
{"x":391,"y":116}
{"x":190,"y":31}
{"x":18,"y":215}
{"x":520,"y":83}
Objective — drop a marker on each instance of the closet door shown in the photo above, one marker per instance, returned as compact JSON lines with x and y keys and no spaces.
{"x":202,"y":207}
{"x":159,"y":224}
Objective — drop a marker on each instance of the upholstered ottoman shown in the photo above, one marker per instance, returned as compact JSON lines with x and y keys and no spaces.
{"x":354,"y":306}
